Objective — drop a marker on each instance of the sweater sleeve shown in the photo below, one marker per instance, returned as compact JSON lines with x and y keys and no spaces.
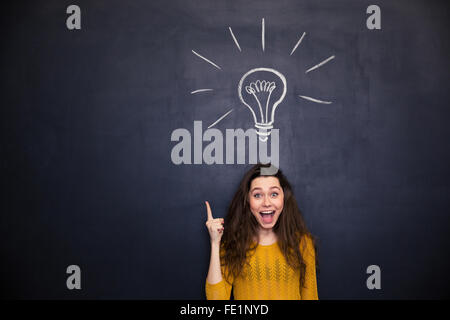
{"x":309,"y":291}
{"x":218,"y":291}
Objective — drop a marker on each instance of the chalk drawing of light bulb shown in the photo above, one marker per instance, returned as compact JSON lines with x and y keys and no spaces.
{"x":262,"y":90}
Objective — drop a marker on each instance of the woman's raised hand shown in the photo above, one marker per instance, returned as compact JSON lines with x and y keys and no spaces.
{"x":215,"y":226}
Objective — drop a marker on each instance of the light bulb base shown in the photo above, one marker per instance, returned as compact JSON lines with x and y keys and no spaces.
{"x":263,"y":130}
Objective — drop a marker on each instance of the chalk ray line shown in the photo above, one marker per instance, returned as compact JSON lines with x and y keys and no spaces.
{"x":234,"y":38}
{"x":320,"y":64}
{"x":315,"y":100}
{"x":201,"y":90}
{"x":298,"y":43}
{"x":218,"y":120}
{"x":209,"y":61}
{"x":263,"y":31}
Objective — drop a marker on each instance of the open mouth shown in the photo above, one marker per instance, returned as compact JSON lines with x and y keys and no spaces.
{"x":267,"y":216}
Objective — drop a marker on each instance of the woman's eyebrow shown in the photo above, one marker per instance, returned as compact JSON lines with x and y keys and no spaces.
{"x":259,"y":188}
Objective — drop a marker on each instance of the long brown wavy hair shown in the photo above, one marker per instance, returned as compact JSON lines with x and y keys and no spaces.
{"x":241,"y":227}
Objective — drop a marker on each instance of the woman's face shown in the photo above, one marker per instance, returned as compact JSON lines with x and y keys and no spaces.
{"x":266,"y":200}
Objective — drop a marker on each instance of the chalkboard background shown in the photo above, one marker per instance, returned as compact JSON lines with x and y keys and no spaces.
{"x":87,"y":116}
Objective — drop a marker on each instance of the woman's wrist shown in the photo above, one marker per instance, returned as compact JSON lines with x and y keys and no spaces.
{"x":215,"y":244}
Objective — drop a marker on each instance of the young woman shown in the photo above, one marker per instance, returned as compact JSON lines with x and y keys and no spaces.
{"x":262,"y":250}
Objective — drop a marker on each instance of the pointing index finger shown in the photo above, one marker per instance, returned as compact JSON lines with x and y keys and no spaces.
{"x":208,"y":211}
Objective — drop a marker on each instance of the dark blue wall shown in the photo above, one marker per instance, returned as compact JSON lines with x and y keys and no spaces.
{"x":87,"y":116}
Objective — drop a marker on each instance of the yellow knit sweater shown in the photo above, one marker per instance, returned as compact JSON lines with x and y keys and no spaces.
{"x":269,"y":277}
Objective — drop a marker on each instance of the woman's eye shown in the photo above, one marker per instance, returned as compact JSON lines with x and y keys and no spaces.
{"x":257,"y":195}
{"x":274,"y":194}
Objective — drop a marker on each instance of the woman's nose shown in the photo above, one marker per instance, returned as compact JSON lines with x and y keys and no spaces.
{"x":266,"y":201}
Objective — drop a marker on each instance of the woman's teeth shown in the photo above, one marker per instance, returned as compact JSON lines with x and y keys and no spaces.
{"x":267,"y":216}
